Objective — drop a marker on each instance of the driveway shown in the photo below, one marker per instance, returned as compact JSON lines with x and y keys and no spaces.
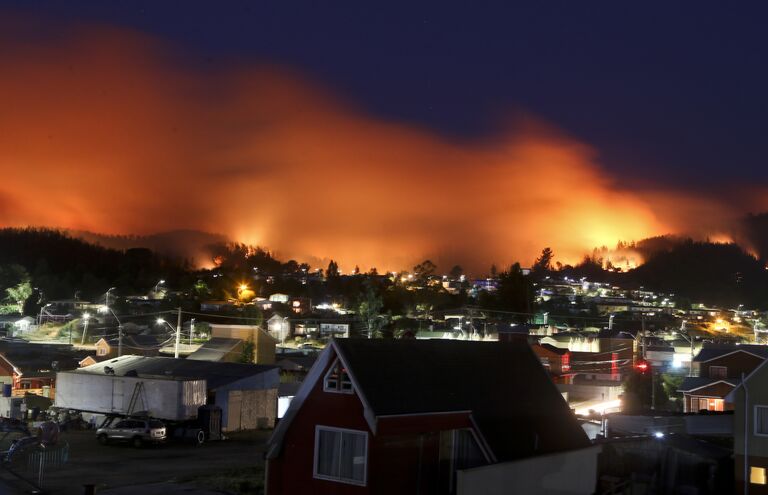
{"x":115,"y":466}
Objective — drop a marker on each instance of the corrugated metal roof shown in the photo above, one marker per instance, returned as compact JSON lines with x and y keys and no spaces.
{"x":215,"y":373}
{"x":215,"y":349}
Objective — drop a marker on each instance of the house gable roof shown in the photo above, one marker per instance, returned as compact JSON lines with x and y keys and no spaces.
{"x":517,"y":408}
{"x":710,"y":353}
{"x":693,"y":383}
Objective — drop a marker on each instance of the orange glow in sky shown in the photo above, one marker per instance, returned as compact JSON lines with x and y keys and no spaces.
{"x":100,"y":131}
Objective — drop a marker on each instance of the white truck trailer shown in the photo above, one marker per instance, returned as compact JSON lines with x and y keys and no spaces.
{"x":167,"y":398}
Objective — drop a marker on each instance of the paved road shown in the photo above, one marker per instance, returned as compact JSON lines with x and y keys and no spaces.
{"x":115,"y":466}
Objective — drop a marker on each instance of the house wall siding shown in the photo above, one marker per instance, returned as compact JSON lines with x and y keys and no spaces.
{"x":754,"y":461}
{"x":757,"y":444}
{"x":396,"y":463}
{"x":737,"y":363}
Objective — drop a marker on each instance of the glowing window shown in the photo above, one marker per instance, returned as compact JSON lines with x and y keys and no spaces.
{"x":757,"y":475}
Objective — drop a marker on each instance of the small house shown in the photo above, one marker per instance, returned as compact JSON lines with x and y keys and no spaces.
{"x":407,"y":416}
{"x":718,"y":370}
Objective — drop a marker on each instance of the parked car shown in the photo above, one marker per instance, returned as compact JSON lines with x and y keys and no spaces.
{"x":136,"y":431}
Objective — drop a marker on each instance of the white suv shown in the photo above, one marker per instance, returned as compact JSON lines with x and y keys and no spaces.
{"x":136,"y":431}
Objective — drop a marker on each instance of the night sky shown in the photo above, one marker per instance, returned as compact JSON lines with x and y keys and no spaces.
{"x":381,"y":135}
{"x":672,"y":89}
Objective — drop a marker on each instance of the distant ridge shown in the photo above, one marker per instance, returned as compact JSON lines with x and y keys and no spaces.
{"x":193,"y":245}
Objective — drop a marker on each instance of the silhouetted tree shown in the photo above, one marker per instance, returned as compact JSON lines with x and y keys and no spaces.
{"x":543,"y":264}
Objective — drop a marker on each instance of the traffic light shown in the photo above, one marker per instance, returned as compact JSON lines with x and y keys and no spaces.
{"x":642,"y":366}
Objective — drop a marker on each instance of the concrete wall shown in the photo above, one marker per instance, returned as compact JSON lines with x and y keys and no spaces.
{"x":572,"y":473}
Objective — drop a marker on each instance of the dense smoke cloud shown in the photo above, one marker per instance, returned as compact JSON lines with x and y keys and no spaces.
{"x":107,"y":130}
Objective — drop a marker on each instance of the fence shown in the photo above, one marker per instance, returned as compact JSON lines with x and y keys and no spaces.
{"x":45,"y":459}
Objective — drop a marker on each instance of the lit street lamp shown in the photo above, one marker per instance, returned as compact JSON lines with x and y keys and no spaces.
{"x":157,"y":286}
{"x":86,"y":319}
{"x":40,"y":318}
{"x":106,"y":302}
{"x":177,"y":331}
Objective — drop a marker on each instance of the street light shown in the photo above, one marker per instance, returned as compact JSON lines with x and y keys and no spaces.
{"x":161,"y":321}
{"x":106,"y":302}
{"x":40,"y":319}
{"x":86,"y":318}
{"x":158,"y":284}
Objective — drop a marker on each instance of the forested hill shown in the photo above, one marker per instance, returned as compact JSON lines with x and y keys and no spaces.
{"x":708,"y":272}
{"x":61,"y":265}
{"x":699,"y":271}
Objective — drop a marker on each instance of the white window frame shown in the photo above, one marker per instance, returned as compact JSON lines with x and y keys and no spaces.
{"x":338,"y":389}
{"x":725,"y":372}
{"x":316,"y":457}
{"x":707,"y":398}
{"x":755,"y":423}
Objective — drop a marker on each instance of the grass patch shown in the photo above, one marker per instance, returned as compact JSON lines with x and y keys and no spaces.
{"x":239,"y":481}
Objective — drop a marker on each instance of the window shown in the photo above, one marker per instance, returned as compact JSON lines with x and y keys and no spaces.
{"x":718,"y":371}
{"x":757,"y":475}
{"x":101,"y":351}
{"x":341,"y":455}
{"x":761,"y":420}
{"x":337,"y":379}
{"x":707,"y":404}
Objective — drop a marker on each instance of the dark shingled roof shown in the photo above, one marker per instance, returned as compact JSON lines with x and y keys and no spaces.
{"x":296,"y":361}
{"x":713,"y":351}
{"x":38,"y":359}
{"x":510,"y":395}
{"x":137,"y":341}
{"x":695,"y":382}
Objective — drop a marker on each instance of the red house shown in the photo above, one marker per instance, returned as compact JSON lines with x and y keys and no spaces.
{"x":403,"y":416}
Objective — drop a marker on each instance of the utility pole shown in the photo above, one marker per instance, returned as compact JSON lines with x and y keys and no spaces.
{"x":689,"y":338}
{"x":119,"y":340}
{"x":191,"y":330}
{"x":178,"y":334}
{"x":642,"y":319}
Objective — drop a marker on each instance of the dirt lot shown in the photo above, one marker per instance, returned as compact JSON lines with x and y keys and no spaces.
{"x":121,"y":465}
